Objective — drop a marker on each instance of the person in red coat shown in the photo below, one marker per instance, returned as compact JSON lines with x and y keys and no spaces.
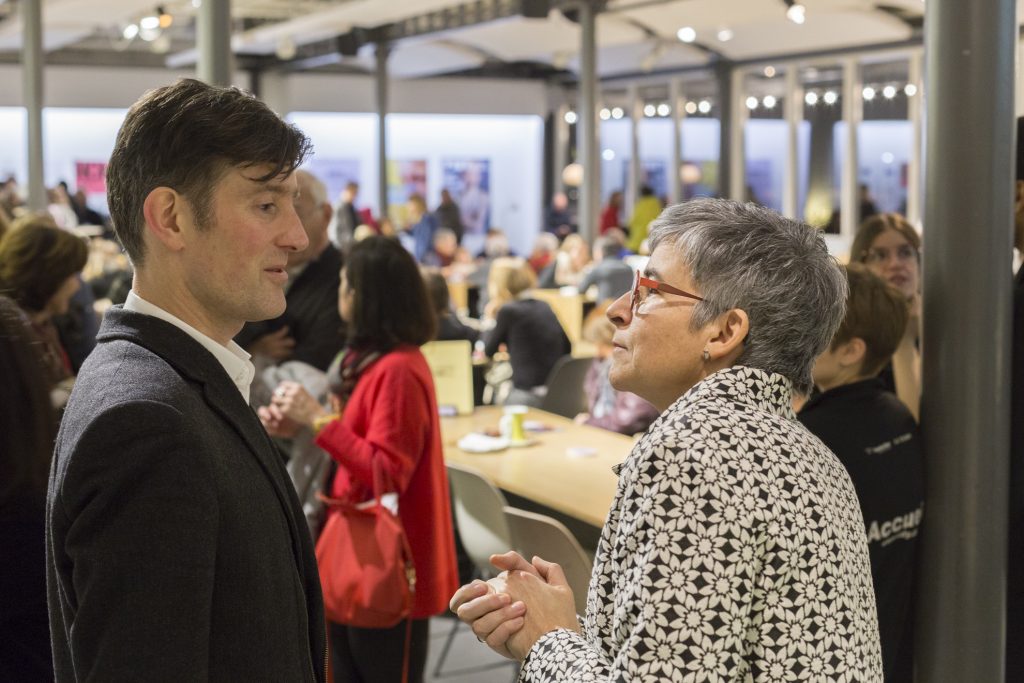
{"x":610,"y":213}
{"x":384,"y":408}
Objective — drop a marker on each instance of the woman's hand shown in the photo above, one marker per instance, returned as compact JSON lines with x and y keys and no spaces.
{"x":277,"y":424}
{"x":292,"y":401}
{"x":549,"y":602}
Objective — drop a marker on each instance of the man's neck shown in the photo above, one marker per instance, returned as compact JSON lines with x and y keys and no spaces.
{"x":184,"y":308}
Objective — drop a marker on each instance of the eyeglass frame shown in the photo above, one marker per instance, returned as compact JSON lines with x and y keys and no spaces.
{"x":640,"y":280}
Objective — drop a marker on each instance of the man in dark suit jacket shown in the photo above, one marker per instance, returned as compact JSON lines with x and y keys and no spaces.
{"x":176,"y":548}
{"x":311,"y":329}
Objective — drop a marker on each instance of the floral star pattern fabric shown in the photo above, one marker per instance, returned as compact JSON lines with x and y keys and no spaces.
{"x":734,"y":551}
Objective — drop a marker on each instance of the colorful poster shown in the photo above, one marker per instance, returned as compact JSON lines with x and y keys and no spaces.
{"x":91,"y":177}
{"x":405,"y":178}
{"x":469,"y":182}
{"x":334,"y":174}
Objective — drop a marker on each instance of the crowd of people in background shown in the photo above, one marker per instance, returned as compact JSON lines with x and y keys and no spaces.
{"x":339,"y":380}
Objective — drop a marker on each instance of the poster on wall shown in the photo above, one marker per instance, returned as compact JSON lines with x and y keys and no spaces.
{"x":334,"y":174}
{"x":469,"y":182}
{"x":405,"y":178}
{"x":760,"y":184}
{"x":91,"y":177}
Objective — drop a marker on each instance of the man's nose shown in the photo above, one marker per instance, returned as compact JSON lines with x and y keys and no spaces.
{"x":295,"y":237}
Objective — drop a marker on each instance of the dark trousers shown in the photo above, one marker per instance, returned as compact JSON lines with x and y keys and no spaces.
{"x":374,"y":655}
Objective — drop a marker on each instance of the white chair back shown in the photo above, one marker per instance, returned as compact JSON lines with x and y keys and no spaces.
{"x":479,"y":510}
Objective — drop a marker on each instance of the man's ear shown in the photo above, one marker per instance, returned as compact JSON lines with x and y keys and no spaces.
{"x":851,"y":352}
{"x":327,"y":212}
{"x":167,"y":216}
{"x":729,"y":331}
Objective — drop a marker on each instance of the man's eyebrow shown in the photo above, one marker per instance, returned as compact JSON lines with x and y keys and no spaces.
{"x":271,"y":186}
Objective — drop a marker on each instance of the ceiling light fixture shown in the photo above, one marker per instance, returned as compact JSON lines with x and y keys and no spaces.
{"x":664,"y":109}
{"x":752,"y":103}
{"x":769,"y":102}
{"x":725,"y":35}
{"x":571,"y":117}
{"x":164,"y":17}
{"x":687,"y":34}
{"x":605,"y":114}
{"x":889,"y":92}
{"x":796,"y":12}
{"x":868,"y":93}
{"x":608,"y":155}
{"x":910,"y":90}
{"x":691,"y":107}
{"x":704,"y":107}
{"x":769,"y":71}
{"x":130,"y":31}
{"x":617,"y":113}
{"x":830,"y":97}
{"x":811,"y":98}
{"x":650,"y":110}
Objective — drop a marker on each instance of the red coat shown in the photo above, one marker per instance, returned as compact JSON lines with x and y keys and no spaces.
{"x":392,"y":414}
{"x":609,"y":219}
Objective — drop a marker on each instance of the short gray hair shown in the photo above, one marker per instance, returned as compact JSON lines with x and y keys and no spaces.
{"x":317,"y":190}
{"x":775,"y":269}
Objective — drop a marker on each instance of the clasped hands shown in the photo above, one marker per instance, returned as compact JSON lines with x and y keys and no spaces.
{"x":291,"y":407}
{"x":511,"y":612}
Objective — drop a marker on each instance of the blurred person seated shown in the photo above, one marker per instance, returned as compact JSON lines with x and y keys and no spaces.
{"x":86,"y":214}
{"x":527,"y":328}
{"x":610,"y":215}
{"x":617,"y":411}
{"x":560,"y":219}
{"x":449,"y":215}
{"x":876,"y":438}
{"x":571,"y":261}
{"x":442,"y":251}
{"x":59,"y":206}
{"x":310,"y":330}
{"x":27,"y":430}
{"x":543,"y":254}
{"x":422,"y":226}
{"x":39,"y":269}
{"x":618,"y":235}
{"x":891,"y":248}
{"x":610,"y":275}
{"x":645,"y":210}
{"x":495,"y":246}
{"x":449,"y":326}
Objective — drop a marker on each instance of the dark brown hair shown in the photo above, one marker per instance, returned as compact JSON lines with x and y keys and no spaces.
{"x":390,"y":304}
{"x":185,"y":136}
{"x":437,"y":290}
{"x":35,"y":260}
{"x":877,"y":313}
{"x":874,"y":226}
{"x":27,"y":424}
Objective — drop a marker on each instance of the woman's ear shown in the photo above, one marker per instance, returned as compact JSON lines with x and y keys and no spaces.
{"x":166,"y":214}
{"x":728,"y":334}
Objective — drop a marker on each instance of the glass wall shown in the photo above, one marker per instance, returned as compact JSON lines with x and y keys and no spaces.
{"x":765,"y":136}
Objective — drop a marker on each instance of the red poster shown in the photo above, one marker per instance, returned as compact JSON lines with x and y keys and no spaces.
{"x":91,"y":176}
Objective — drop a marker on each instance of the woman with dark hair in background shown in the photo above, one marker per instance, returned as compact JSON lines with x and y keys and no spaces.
{"x":39,"y":268}
{"x":27,"y":429}
{"x":385,"y":410}
{"x":891,"y":249}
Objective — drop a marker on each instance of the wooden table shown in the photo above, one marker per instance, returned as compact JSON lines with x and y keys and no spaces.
{"x":579,"y":487}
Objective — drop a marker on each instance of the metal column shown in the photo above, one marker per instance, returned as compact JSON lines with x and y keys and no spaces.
{"x":853,"y":112}
{"x":675,"y":101}
{"x":213,"y":35}
{"x":586,"y":128}
{"x":967,"y":299}
{"x":561,"y":150}
{"x":793,"y":103}
{"x":737,"y":151}
{"x":32,"y":81}
{"x":636,"y":115}
{"x":915,"y":113}
{"x":382,"y":130}
{"x":723,"y":76}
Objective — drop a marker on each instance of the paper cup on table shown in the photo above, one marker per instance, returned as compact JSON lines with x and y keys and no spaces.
{"x":511,"y":424}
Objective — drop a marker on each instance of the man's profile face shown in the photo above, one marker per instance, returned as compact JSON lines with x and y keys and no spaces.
{"x":235,"y":266}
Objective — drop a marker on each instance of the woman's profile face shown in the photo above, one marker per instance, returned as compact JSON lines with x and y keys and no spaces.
{"x":894,"y":259}
{"x":346,"y":299}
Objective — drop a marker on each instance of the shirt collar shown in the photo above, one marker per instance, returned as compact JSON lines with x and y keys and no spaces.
{"x":751,"y":387}
{"x":232,"y":357}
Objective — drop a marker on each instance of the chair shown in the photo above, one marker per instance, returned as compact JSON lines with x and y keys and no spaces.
{"x":565,"y":395}
{"x":479,"y":510}
{"x":451,"y":364}
{"x":548,"y":538}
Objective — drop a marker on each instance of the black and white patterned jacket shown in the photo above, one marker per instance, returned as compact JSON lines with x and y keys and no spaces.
{"x":734,"y":551}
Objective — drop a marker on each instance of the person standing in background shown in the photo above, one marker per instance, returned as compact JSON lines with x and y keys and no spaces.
{"x":449,"y":215}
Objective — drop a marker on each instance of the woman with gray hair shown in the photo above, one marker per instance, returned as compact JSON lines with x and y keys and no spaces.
{"x":734,"y":549}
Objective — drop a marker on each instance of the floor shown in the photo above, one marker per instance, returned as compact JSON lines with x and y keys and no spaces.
{"x":468,"y":661}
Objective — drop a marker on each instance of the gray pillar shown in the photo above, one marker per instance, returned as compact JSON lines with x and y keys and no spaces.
{"x":213,"y":35}
{"x":793,"y":110}
{"x":32,"y":81}
{"x":675,"y":100}
{"x":723,"y":75}
{"x":967,"y":299}
{"x":915,"y":114}
{"x":636,"y":115}
{"x":737,"y":160}
{"x":382,"y":129}
{"x":853,"y":112}
{"x":586,"y":128}
{"x":560,"y":156}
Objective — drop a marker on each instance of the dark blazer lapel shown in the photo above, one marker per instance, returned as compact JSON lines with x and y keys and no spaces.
{"x":198,"y":365}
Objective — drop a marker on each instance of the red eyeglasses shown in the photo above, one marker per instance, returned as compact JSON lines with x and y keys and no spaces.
{"x":639,"y":281}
